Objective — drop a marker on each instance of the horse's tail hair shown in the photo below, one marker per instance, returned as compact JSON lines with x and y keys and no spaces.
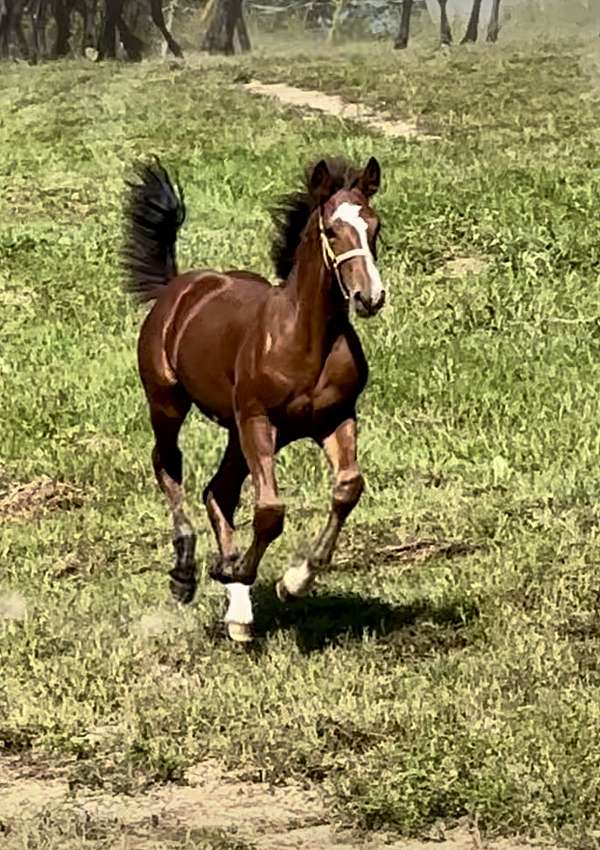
{"x":154,"y":212}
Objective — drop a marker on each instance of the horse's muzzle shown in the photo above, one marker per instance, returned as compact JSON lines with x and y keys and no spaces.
{"x":365,"y":306}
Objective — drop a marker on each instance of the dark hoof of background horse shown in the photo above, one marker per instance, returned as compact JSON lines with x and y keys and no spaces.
{"x":182,"y":588}
{"x":224,"y":569}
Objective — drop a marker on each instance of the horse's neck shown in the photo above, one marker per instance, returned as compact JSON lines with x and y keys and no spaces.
{"x":309,"y":288}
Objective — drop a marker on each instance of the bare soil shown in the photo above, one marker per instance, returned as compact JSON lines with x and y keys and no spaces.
{"x":335,"y":105}
{"x":234,"y":812}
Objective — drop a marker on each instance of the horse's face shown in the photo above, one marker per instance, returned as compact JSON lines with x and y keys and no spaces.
{"x":349,"y":228}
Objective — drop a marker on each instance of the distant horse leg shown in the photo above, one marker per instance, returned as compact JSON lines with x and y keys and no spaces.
{"x":257,"y":439}
{"x":473,"y":25}
{"x":37,"y":12}
{"x":445,"y":31}
{"x":403,"y":33}
{"x":242,"y":32}
{"x":159,"y":21}
{"x":62,"y":15}
{"x":234,"y":10}
{"x":107,"y":43}
{"x":3,"y":31}
{"x":221,"y":497}
{"x":18,"y":28}
{"x":87,"y":11}
{"x":167,"y":415}
{"x":133,"y":46}
{"x":340,"y":449}
{"x":494,"y":23}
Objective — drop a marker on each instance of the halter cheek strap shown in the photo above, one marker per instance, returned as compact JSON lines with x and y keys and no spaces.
{"x":333,"y":260}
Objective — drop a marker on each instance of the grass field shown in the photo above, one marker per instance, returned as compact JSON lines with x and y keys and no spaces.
{"x":455,"y":676}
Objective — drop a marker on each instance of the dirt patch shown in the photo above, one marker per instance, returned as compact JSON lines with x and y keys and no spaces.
{"x":26,"y":501}
{"x":335,"y":105}
{"x":12,"y":606}
{"x":213,"y":811}
{"x":463,"y":266}
{"x":366,"y":544}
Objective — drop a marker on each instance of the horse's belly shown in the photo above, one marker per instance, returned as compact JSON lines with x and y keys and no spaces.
{"x":206,"y":373}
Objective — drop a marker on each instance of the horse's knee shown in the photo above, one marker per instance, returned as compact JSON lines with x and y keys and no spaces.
{"x":347,"y":492}
{"x":268,"y":521}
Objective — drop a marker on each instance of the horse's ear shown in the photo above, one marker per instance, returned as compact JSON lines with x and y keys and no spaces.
{"x":321,"y":182}
{"x":370,"y":179}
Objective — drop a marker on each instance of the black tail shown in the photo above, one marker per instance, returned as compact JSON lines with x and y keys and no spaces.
{"x":155,"y":211}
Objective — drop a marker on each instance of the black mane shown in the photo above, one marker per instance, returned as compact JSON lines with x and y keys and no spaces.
{"x":291,"y":212}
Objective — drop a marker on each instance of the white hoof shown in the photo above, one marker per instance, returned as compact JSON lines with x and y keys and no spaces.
{"x":282,"y":592}
{"x":296,"y":582}
{"x":240,"y":632}
{"x":239,"y":616}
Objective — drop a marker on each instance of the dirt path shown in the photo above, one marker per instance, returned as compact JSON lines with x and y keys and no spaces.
{"x":213,"y":809}
{"x":335,"y":105}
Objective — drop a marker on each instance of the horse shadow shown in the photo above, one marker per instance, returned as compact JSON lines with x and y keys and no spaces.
{"x":327,"y":618}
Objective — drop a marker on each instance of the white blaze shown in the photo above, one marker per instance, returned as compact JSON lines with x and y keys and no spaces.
{"x":350,"y":214}
{"x":240,"y":604}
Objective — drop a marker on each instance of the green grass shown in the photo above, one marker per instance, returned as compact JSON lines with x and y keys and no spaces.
{"x":414,"y":690}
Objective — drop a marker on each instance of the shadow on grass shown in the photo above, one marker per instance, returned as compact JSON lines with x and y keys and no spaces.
{"x":326,"y":619}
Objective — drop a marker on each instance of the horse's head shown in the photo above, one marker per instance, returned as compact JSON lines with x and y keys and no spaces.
{"x":348,"y":230}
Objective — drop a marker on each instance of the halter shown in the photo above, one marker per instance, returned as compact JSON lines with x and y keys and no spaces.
{"x":333,"y":261}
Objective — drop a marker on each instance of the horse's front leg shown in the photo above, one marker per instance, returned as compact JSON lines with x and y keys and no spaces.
{"x":340,"y":449}
{"x":257,"y":440}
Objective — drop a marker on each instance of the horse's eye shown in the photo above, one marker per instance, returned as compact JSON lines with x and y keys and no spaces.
{"x":329,"y":232}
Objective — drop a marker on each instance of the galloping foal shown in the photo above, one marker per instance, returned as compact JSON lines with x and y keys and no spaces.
{"x":271,"y":364}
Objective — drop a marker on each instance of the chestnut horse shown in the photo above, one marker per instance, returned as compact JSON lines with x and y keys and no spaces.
{"x":271,"y":364}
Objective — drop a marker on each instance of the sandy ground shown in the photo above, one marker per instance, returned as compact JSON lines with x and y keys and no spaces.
{"x":266,"y":818}
{"x":335,"y":105}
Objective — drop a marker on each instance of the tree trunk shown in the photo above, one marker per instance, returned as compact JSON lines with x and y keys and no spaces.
{"x":225,"y":18}
{"x":473,"y":25}
{"x":403,"y":33}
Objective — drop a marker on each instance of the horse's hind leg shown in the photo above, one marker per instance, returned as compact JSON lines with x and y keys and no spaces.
{"x":340,"y":449}
{"x":167,"y":414}
{"x":159,"y":21}
{"x":221,"y":497}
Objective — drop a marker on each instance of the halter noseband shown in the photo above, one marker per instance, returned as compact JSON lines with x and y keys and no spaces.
{"x":333,"y":261}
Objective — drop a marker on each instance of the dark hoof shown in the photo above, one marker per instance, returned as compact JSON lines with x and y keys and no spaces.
{"x":182,"y":589}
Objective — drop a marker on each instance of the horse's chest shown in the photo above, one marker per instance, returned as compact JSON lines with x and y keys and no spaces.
{"x":333,"y":388}
{"x":305,"y":396}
